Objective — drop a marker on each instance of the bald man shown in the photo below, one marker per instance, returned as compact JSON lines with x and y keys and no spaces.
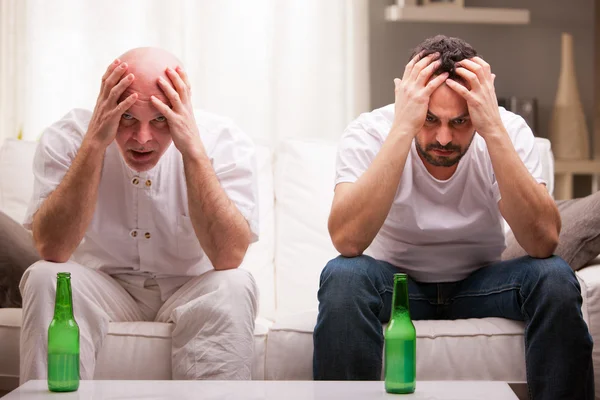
{"x":151,"y":208}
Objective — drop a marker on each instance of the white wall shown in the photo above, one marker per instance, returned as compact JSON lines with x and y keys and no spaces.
{"x":279,"y":68}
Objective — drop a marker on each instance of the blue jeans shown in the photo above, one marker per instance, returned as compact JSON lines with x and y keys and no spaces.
{"x":355,"y":297}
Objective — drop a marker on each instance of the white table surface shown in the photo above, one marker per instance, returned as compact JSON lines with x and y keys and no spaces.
{"x":237,"y":390}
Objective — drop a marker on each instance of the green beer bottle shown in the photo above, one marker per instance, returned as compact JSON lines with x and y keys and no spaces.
{"x":400,"y":342}
{"x":63,"y":340}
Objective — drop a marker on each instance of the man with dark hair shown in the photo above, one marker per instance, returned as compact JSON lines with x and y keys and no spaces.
{"x":422,"y":187}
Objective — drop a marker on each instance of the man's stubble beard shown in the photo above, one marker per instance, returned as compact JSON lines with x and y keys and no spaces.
{"x":442,"y":161}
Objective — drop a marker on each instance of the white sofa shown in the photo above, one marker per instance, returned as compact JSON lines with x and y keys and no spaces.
{"x":296,"y":190}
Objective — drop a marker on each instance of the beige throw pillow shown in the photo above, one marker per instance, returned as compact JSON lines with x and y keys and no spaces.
{"x":579,"y":240}
{"x":17,"y":253}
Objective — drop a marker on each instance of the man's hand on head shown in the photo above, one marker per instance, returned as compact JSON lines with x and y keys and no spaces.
{"x":180,"y":117}
{"x":413,"y":91}
{"x":107,"y":113}
{"x":481,"y":96}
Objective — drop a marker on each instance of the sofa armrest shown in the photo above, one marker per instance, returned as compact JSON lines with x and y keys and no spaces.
{"x":589,"y":279}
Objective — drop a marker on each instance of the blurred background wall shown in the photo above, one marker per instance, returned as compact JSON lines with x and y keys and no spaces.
{"x":525,"y":58}
{"x":279,"y":68}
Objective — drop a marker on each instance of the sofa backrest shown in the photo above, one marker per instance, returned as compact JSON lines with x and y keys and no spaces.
{"x":16,"y":189}
{"x":304,"y":185}
{"x":296,"y":190}
{"x":16,"y":177}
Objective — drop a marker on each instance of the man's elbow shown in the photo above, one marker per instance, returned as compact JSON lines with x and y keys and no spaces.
{"x":346,"y":247}
{"x":51,"y":253}
{"x":544,"y":245}
{"x":230,"y":260}
{"x":349,"y":250}
{"x":47,"y":249}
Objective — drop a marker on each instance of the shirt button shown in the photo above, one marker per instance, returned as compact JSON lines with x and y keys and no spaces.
{"x":134,"y":233}
{"x":135,"y":181}
{"x":147,"y":235}
{"x":148,"y":183}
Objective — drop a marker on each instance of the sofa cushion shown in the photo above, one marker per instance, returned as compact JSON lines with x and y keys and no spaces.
{"x":579,"y":239}
{"x":259,"y":259}
{"x":470,"y":349}
{"x":17,"y":253}
{"x":589,"y":280}
{"x":304,"y":187}
{"x":10,"y":329}
{"x":304,"y":183}
{"x":133,"y":350}
{"x":16,"y":190}
{"x":16,"y":177}
{"x":149,"y":344}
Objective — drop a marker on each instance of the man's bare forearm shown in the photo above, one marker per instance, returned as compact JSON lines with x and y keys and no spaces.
{"x":525,"y":204}
{"x":63,"y":218}
{"x":359,"y":209}
{"x":222,"y":230}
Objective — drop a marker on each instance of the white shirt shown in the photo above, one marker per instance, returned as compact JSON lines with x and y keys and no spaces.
{"x":141,"y":223}
{"x":437,"y":231}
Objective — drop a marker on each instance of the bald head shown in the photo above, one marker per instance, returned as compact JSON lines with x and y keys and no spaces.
{"x":147,"y":64}
{"x":143,"y":134}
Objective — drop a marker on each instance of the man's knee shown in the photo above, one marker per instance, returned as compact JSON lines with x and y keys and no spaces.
{"x":348,"y":269}
{"x":343,"y":277}
{"x":236,"y":286}
{"x":554,"y":276}
{"x":239,"y":281}
{"x":553,"y":269}
{"x":39,"y":275}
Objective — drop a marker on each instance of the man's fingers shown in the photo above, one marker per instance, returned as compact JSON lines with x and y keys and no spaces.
{"x":110,"y":69}
{"x":468,"y":76}
{"x":162,"y":107}
{"x":482,"y":72}
{"x":178,"y":83}
{"x":411,"y":64}
{"x":436,"y":83}
{"x":397,"y":83}
{"x":126,"y":104}
{"x":482,"y":63}
{"x":184,"y":77}
{"x":113,"y":78}
{"x":170,"y":92}
{"x":424,"y":62}
{"x":120,"y":87}
{"x":458,"y":88}
{"x":427,"y":72}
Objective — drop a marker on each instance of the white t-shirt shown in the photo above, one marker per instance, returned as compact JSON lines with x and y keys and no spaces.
{"x":437,"y":231}
{"x":141,"y":223}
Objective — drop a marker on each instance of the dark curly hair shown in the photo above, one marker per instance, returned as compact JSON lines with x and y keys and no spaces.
{"x":451,"y":49}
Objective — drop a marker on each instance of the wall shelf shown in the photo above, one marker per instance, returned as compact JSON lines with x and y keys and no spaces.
{"x":564,"y":172}
{"x":450,"y":14}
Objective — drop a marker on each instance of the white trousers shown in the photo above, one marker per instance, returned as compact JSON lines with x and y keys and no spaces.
{"x":213,"y":316}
